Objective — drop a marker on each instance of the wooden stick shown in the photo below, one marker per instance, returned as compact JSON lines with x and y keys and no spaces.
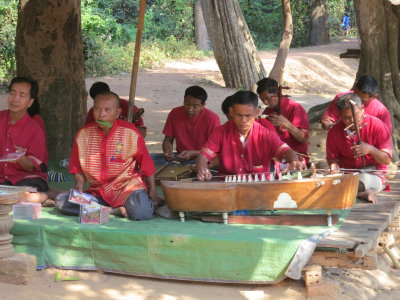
{"x":135,"y":65}
{"x":357,"y":127}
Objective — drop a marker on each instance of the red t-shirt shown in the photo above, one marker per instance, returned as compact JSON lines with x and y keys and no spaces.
{"x":25,"y":134}
{"x":40,"y":122}
{"x":113,"y":164}
{"x":190,"y":133}
{"x":261,"y":146}
{"x":124,"y":105}
{"x":297,"y":115}
{"x":373,"y":108}
{"x":338,"y":144}
{"x":267,"y":124}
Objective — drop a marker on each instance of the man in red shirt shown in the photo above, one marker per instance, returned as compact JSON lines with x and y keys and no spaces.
{"x":367,"y":89}
{"x":344,"y":150}
{"x":243,"y":145}
{"x":23,"y":148}
{"x":228,"y":103}
{"x":111,"y":155}
{"x":102,"y":87}
{"x":190,"y":125}
{"x":289,"y":117}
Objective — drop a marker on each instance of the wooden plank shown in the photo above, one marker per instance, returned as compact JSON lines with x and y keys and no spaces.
{"x":284,"y":219}
{"x":337,"y":244}
{"x":344,"y":260}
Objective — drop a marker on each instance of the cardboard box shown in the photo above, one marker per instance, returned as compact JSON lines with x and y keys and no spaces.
{"x":94,"y":214}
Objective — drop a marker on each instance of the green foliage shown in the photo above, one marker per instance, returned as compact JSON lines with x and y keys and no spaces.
{"x":109,"y":31}
{"x":336,"y":10}
{"x":8,"y":21}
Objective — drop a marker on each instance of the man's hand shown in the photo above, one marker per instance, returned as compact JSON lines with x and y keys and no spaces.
{"x":80,"y":180}
{"x":279,"y":120}
{"x":168,"y":156}
{"x":334,"y":168}
{"x":361,"y":149}
{"x":155,"y":197}
{"x":187,"y":155}
{"x":203,"y":174}
{"x":297,"y":165}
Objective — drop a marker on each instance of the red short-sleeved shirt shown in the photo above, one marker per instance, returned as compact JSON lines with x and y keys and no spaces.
{"x":261,"y":146}
{"x":25,"y":134}
{"x":373,"y":108}
{"x":267,"y":124}
{"x":124,"y":105}
{"x":190,"y":133}
{"x":113,"y":164}
{"x":297,"y":115}
{"x":40,"y":122}
{"x":338,"y":144}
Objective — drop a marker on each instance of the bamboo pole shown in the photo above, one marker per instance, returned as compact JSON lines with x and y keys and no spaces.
{"x":135,"y":65}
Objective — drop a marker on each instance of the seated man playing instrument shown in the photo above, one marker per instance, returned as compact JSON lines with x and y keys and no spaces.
{"x":190,"y":125}
{"x":23,"y":148}
{"x":102,"y":87}
{"x":289,"y":117}
{"x":367,"y":89}
{"x":243,"y":145}
{"x":371,"y":148}
{"x":111,"y":155}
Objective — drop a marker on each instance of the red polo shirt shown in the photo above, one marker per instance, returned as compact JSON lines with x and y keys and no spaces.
{"x":261,"y":146}
{"x":190,"y":133}
{"x":373,"y":108}
{"x":113,"y":164}
{"x":124,"y":105}
{"x":297,"y":115}
{"x":267,"y":124}
{"x":25,"y":134}
{"x":338,"y":144}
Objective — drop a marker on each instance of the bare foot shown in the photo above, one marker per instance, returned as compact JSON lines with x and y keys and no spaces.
{"x":48,"y":203}
{"x":368,"y":195}
{"x":120,"y":212}
{"x":37,"y":197}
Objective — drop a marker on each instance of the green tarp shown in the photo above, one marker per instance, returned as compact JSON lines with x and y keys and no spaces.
{"x":163,"y":248}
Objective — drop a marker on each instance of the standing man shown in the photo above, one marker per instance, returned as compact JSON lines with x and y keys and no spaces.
{"x":367,"y":89}
{"x":243,"y":145}
{"x":344,"y":150}
{"x":289,"y":117}
{"x":22,"y":138}
{"x":111,"y":155}
{"x":190,"y":125}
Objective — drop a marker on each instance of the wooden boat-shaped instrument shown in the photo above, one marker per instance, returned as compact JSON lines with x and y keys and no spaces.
{"x":326,"y":193}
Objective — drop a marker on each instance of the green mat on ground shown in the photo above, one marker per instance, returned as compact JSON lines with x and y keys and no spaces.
{"x":163,"y":248}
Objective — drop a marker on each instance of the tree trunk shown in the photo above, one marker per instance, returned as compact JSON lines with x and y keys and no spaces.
{"x":49,"y":50}
{"x":233,"y":46}
{"x":378,"y":25}
{"x":200,"y":30}
{"x":285,"y":42}
{"x":319,"y":23}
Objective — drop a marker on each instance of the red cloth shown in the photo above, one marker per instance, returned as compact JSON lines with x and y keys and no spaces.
{"x":262,"y":145}
{"x":267,"y":124}
{"x":26,"y":134}
{"x":112,"y":164}
{"x":190,"y":133}
{"x":40,"y":122}
{"x":297,"y":115}
{"x":338,"y":144}
{"x":124,"y":105}
{"x":374,"y":108}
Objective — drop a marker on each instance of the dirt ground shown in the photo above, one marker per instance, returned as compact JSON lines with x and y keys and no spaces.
{"x":315,"y":74}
